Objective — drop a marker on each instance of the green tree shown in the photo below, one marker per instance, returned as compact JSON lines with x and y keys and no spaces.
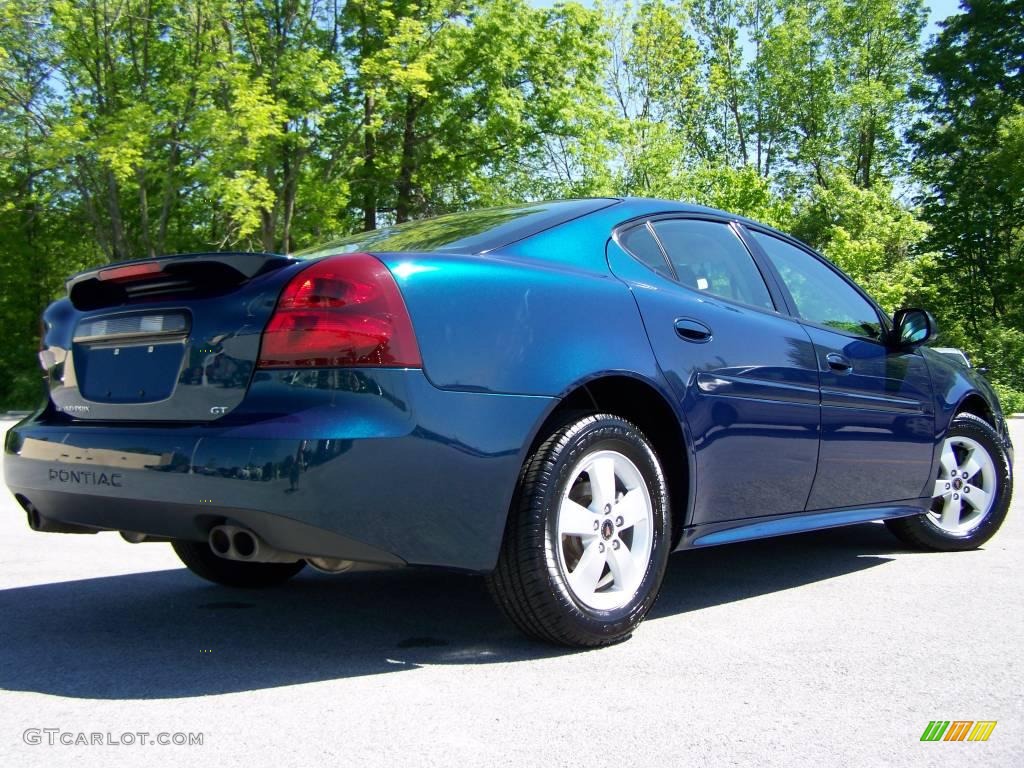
{"x":654,"y":80}
{"x":463,"y":102}
{"x":875,"y":45}
{"x":968,"y":159}
{"x":873,"y":238}
{"x":132,"y":128}
{"x":40,"y":225}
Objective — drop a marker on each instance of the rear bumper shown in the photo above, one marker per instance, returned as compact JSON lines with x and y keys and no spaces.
{"x":375,"y":466}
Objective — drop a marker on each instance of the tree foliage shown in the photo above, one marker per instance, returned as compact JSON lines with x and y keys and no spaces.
{"x":130,"y":128}
{"x":969,"y":160}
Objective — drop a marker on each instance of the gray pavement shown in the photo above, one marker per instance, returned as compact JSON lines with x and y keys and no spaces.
{"x":824,"y":649}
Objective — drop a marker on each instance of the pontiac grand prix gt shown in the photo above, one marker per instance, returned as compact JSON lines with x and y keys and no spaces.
{"x":556,"y":395}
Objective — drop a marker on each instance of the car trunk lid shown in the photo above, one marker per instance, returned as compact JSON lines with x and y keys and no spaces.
{"x":170,"y":339}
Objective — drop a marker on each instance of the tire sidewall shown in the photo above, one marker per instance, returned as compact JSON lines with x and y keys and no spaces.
{"x":988,"y":438}
{"x":614,"y":434}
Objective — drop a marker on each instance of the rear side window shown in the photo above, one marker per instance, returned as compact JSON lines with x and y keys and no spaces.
{"x":709,"y":257}
{"x":641,"y":243}
{"x":821,"y":295}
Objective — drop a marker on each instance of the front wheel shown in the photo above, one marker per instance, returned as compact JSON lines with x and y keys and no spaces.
{"x":588,"y":536}
{"x":971,"y":495}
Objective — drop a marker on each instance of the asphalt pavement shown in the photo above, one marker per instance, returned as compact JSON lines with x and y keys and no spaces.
{"x":825,"y":649}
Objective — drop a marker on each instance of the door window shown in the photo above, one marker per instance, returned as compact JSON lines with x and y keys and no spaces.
{"x":709,"y":257}
{"x":641,"y":243}
{"x":821,"y":295}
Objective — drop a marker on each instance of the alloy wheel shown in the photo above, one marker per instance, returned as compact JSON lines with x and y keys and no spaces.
{"x":605,"y":530}
{"x":966,"y":486}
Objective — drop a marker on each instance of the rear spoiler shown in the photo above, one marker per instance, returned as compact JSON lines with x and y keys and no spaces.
{"x":116,"y":283}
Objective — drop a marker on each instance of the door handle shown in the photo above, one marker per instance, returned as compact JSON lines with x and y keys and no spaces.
{"x":837,"y":363}
{"x":691,"y":330}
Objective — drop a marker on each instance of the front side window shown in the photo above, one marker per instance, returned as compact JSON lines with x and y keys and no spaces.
{"x":820,"y":294}
{"x":709,"y":257}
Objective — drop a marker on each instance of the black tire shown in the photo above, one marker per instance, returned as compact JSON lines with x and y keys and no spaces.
{"x":201,"y":560}
{"x":921,"y":532}
{"x":530,"y":583}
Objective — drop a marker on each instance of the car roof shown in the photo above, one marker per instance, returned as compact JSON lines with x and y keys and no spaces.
{"x":661,"y":206}
{"x":487,"y":229}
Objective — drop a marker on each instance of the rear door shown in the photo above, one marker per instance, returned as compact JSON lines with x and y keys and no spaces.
{"x":744,"y":372}
{"x":877,"y":415}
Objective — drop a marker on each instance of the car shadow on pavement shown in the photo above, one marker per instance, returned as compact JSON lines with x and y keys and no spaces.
{"x":165,"y":634}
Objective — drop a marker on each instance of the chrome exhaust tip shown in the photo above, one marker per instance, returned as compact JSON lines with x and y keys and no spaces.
{"x":38,"y":522}
{"x":220,"y":541}
{"x":232,"y":542}
{"x":245,"y":544}
{"x":331,"y":565}
{"x":135,"y":537}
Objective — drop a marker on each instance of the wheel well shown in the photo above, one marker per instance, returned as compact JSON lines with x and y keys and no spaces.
{"x":976,"y":404}
{"x":643,"y":405}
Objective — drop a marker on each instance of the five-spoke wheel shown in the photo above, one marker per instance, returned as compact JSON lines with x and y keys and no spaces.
{"x":964,"y":491}
{"x":604,"y":529}
{"x":588,"y":536}
{"x":971,"y":494}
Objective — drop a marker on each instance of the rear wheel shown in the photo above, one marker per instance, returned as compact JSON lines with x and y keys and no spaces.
{"x":201,"y":560}
{"x":971,"y":494}
{"x":588,"y":536}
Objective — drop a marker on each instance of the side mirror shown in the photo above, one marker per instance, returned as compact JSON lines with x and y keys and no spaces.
{"x":912,"y":328}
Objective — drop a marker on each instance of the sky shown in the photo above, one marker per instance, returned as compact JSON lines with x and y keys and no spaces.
{"x":937,"y":11}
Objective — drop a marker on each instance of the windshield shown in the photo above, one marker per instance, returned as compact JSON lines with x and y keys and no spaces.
{"x":467,"y":232}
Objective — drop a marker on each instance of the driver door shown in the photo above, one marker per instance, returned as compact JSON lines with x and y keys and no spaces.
{"x":877,"y":408}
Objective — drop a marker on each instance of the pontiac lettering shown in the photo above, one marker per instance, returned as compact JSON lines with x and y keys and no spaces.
{"x":86,"y":477}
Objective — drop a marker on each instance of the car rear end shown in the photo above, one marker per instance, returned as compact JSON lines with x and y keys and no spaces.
{"x":283,"y":397}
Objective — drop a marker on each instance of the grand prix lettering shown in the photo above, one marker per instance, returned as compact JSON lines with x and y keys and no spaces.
{"x":86,"y":477}
{"x":73,"y":408}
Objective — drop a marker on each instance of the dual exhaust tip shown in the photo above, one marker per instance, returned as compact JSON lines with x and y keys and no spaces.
{"x":236,"y":543}
{"x":233,"y":542}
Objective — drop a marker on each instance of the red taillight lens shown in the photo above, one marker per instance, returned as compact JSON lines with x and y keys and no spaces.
{"x":341,"y":311}
{"x":131,"y":271}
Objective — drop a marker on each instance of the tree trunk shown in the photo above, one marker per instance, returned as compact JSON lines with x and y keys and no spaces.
{"x":267,"y":226}
{"x":291,"y":166}
{"x":170,"y":191}
{"x":735,"y":108}
{"x":403,"y":205}
{"x":117,"y":235}
{"x":147,"y":242}
{"x":291,"y":183}
{"x":868,"y":153}
{"x":91,"y":212}
{"x":369,"y":170}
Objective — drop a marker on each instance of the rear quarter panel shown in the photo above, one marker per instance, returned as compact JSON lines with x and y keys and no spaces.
{"x":515,"y":325}
{"x":538,"y":316}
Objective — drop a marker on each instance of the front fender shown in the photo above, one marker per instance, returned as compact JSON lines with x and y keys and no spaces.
{"x":953,"y":385}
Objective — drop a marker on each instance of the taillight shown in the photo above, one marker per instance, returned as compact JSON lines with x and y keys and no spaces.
{"x":130,"y":272}
{"x":340,"y":311}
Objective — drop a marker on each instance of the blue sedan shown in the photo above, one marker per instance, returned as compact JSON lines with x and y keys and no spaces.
{"x":556,"y":395}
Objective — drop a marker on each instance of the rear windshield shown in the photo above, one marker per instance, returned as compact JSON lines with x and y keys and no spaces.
{"x":467,"y":232}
